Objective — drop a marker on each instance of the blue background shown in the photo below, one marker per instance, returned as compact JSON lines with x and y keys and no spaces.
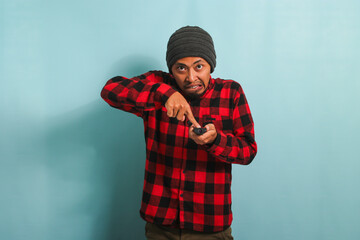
{"x":72,"y":168}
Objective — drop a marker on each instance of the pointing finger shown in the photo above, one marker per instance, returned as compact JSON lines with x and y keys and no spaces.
{"x":191,"y":118}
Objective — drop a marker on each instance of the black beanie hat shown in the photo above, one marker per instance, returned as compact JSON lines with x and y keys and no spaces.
{"x":190,"y":41}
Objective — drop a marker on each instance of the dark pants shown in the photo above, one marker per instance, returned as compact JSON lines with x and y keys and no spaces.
{"x":157,"y":232}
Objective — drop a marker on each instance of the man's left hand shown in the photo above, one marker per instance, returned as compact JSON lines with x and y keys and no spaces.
{"x":207,"y":138}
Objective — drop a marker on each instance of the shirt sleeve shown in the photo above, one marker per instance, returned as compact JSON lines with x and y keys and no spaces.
{"x":239,"y":147}
{"x":136,"y":95}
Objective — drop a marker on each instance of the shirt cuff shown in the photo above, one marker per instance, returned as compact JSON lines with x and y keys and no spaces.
{"x":219,"y":144}
{"x":165,"y":92}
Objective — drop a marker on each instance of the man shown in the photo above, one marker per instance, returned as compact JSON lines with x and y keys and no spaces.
{"x":195,"y":128}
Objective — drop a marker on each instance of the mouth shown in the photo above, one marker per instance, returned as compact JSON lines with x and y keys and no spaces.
{"x":194,"y":87}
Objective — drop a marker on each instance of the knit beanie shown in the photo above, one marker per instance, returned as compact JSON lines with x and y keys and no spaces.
{"x":190,"y":41}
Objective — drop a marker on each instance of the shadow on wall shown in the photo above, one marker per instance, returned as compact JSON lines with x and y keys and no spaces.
{"x":96,"y":162}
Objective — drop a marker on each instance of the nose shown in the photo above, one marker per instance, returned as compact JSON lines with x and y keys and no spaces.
{"x":191,"y":75}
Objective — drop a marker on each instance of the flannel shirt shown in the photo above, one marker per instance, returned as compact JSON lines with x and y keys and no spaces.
{"x":187,"y":185}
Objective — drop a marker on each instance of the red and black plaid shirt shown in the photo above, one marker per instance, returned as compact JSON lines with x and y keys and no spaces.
{"x":187,"y":185}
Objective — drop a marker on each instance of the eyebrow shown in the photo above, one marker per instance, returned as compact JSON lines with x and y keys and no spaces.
{"x":183,"y":64}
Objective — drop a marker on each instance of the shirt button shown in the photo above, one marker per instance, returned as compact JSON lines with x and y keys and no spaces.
{"x":181,"y":195}
{"x":184,"y":171}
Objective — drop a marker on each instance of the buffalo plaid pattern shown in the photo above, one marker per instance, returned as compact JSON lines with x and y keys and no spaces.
{"x":186,"y":185}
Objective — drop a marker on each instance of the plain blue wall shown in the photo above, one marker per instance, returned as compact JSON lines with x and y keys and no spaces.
{"x":72,"y":168}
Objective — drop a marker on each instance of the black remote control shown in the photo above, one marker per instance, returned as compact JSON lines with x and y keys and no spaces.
{"x":199,"y":131}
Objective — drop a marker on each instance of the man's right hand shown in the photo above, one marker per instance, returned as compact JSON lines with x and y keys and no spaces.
{"x":178,"y":107}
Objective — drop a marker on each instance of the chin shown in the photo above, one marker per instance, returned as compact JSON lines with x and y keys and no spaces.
{"x":193,"y":96}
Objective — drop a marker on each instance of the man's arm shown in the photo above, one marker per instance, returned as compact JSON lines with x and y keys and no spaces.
{"x":146,"y":92}
{"x":239,"y":147}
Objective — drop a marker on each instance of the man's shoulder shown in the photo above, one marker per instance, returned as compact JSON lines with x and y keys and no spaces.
{"x":160,"y":73}
{"x":156,"y":76}
{"x":221,"y":83}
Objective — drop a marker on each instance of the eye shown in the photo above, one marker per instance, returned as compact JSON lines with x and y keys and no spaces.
{"x":200,"y":66}
{"x":181,"y":68}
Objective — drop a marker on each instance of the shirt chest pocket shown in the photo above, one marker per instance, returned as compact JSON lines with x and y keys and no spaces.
{"x":222,"y":123}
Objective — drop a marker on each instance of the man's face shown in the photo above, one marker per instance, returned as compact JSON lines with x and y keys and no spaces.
{"x":192,"y":75}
